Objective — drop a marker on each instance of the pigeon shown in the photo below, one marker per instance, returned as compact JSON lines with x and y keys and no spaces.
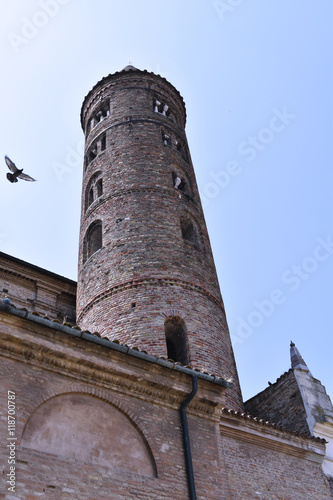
{"x":17,"y":173}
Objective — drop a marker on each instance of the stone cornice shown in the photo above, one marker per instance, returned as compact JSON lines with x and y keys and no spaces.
{"x":46,"y":348}
{"x":31,"y":272}
{"x":250,"y":431}
{"x":19,"y":275}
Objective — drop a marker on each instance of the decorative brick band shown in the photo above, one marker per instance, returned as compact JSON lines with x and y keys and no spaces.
{"x":149,"y":282}
{"x":124,"y":192}
{"x":17,"y":274}
{"x":172,"y":127}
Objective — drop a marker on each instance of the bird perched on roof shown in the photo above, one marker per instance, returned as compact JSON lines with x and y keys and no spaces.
{"x":17,"y":173}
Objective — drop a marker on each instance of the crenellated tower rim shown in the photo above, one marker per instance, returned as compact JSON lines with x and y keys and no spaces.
{"x":146,"y":271}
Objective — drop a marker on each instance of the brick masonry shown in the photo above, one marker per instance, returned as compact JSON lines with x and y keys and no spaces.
{"x":282,"y":404}
{"x":94,"y":423}
{"x":98,"y":421}
{"x":144,"y":258}
{"x":32,"y":287}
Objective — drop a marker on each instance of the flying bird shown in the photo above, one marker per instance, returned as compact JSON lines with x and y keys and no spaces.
{"x":17,"y":173}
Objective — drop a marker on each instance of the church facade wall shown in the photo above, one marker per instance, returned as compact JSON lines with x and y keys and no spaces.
{"x":76,"y":402}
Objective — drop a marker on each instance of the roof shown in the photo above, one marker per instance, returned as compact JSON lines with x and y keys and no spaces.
{"x":115,"y":345}
{"x":129,"y":67}
{"x":38,"y":269}
{"x":261,"y":421}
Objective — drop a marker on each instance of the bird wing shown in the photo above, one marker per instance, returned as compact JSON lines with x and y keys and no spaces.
{"x":10,"y":164}
{"x":26,"y":177}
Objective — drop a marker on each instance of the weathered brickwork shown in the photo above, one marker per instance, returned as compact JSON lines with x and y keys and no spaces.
{"x":95,"y":416}
{"x":31,"y":287}
{"x":55,"y":377}
{"x":255,"y":472}
{"x":281,"y":403}
{"x":93,"y":423}
{"x":153,"y":255}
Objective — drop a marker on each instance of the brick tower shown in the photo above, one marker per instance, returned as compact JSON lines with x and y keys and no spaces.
{"x":146,"y":270}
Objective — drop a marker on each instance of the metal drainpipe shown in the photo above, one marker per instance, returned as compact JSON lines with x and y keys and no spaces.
{"x":186,"y":435}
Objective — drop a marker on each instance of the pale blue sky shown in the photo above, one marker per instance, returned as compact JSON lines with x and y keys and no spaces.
{"x":256,"y":77}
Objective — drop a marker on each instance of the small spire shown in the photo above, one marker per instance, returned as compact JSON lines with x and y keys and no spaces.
{"x":130,"y":66}
{"x":297,"y":362}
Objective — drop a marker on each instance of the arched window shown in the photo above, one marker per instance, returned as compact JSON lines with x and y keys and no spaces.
{"x":93,"y":240}
{"x":188,"y":230}
{"x":176,"y":339}
{"x":103,"y":142}
{"x":94,"y":189}
{"x":99,"y":115}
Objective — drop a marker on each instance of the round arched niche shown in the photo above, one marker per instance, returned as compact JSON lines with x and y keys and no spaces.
{"x":88,"y":429}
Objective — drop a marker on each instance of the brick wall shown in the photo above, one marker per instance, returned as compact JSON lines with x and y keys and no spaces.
{"x":77,"y":402}
{"x":79,"y":406}
{"x":281,"y":403}
{"x":146,"y":269}
{"x":35,"y":288}
{"x":255,"y":472}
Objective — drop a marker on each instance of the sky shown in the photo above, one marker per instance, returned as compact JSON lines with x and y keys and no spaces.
{"x":256,"y":77}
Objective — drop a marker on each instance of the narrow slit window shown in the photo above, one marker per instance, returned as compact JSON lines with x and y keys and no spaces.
{"x":103,"y":143}
{"x":90,"y":196}
{"x":99,"y":187}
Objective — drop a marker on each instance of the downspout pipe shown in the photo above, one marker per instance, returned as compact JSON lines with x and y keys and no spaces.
{"x":186,"y":437}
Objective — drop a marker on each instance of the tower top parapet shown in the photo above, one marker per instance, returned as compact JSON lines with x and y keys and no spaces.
{"x":131,"y":71}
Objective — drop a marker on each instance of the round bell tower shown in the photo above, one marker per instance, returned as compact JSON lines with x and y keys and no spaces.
{"x":146,"y":270}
